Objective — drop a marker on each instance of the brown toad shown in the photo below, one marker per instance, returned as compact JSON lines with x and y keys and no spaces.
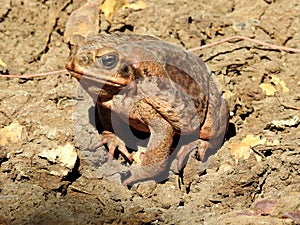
{"x":155,"y":87}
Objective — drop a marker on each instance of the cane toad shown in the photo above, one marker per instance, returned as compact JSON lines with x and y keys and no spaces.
{"x":155,"y":87}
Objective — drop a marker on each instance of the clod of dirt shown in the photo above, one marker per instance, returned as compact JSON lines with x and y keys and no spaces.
{"x":84,"y":21}
{"x":64,"y":156}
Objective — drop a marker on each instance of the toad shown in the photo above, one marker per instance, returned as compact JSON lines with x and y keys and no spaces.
{"x":155,"y":87}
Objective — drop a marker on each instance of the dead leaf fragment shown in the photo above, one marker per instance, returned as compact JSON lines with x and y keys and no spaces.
{"x":268,"y":89}
{"x":265,"y":206}
{"x":83,"y":21}
{"x":137,"y":155}
{"x":280,"y":84}
{"x":242,"y":150}
{"x":276,"y":84}
{"x":262,"y":207}
{"x":11,"y":133}
{"x":3,"y":64}
{"x":109,"y":7}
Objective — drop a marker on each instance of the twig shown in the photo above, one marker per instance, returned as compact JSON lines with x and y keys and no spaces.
{"x":73,"y":188}
{"x":282,"y":48}
{"x":28,"y":76}
{"x":286,"y":106}
{"x":263,"y":148}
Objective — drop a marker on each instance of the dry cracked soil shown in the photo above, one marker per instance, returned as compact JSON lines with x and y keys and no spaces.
{"x":47,"y":175}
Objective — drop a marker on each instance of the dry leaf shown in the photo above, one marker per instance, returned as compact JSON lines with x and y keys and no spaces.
{"x":83,"y":21}
{"x":11,"y":133}
{"x":242,"y":150}
{"x":268,"y":89}
{"x":275,"y":85}
{"x":136,"y":6}
{"x":265,"y":206}
{"x":137,"y":155}
{"x":262,"y":207}
{"x":280,"y":84}
{"x":109,"y":7}
{"x":3,"y":63}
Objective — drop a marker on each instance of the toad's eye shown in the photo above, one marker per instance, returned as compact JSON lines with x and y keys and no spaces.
{"x":109,"y":61}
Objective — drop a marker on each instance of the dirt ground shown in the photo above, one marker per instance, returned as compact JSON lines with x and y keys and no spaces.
{"x":48,"y":177}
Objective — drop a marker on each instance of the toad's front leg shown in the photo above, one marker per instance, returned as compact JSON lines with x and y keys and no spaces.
{"x":154,"y":161}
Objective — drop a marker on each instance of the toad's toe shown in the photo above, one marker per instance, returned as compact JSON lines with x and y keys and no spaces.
{"x":112,"y":142}
{"x":185,"y":150}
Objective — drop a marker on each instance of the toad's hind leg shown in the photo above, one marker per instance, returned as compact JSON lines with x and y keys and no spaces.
{"x":211,"y":134}
{"x":155,"y":159}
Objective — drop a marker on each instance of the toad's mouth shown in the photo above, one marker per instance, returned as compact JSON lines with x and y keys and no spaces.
{"x":99,"y":79}
{"x":96,"y":78}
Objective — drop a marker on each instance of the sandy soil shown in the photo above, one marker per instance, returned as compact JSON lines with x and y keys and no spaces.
{"x":261,"y":186}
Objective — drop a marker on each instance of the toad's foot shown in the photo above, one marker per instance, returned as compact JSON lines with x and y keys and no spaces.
{"x":113,"y":142}
{"x":185,"y":150}
{"x":141,"y":173}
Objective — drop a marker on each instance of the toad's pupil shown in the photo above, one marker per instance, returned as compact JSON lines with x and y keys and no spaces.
{"x":109,"y":60}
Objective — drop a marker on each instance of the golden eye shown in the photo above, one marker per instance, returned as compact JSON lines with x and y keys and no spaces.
{"x":109,"y":61}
